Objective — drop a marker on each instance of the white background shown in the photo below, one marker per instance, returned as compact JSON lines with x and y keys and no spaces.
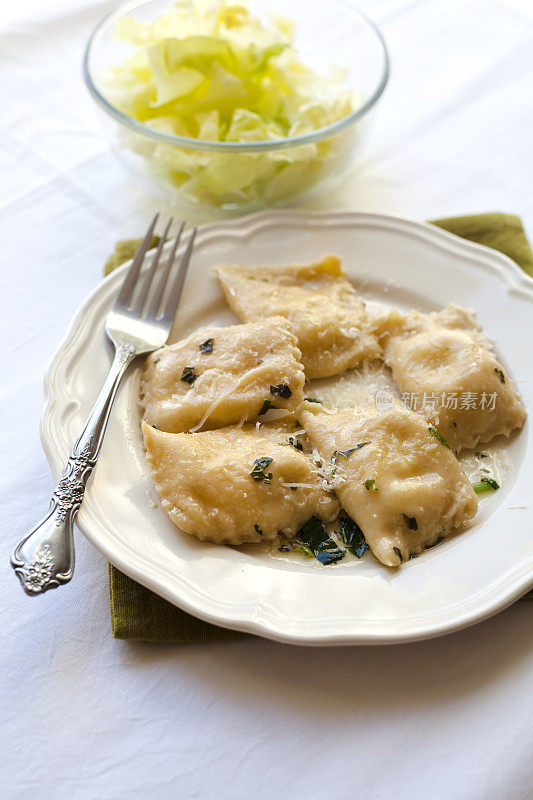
{"x":85,"y":716}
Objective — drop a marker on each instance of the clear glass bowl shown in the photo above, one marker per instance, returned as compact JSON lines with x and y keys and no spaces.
{"x":329,"y":33}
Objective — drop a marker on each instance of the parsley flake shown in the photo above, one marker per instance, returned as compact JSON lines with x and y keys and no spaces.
{"x":437,"y":541}
{"x":411,"y":522}
{"x":352,"y":536}
{"x":282,"y":390}
{"x":346,"y":453}
{"x":295,"y":443}
{"x":188,"y":375}
{"x":207,"y":347}
{"x":398,"y":553}
{"x":370,"y":485}
{"x":486,"y":485}
{"x":258,"y":530}
{"x":267,"y":405}
{"x":313,"y":536}
{"x":313,"y":400}
{"x":258,"y":472}
{"x":434,"y":432}
{"x":499,"y":373}
{"x":296,"y":546}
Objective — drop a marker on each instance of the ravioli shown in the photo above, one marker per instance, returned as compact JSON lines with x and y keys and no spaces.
{"x":330,"y":322}
{"x":236,"y":485}
{"x":444,"y":367}
{"x":223,"y":375}
{"x":402,"y":486}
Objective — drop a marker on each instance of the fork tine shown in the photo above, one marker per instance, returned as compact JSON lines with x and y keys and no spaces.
{"x":143,"y":294}
{"x":124,"y":296}
{"x":175,"y":294}
{"x":160,"y":290}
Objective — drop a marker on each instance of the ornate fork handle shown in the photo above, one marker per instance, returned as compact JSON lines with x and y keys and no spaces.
{"x":45,"y":558}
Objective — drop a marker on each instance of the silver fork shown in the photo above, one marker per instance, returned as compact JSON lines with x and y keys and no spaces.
{"x":138,"y":323}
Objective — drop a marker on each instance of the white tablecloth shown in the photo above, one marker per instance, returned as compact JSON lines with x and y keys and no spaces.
{"x":85,"y":716}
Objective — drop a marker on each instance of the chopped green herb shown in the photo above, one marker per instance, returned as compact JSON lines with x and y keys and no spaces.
{"x":346,"y":453}
{"x":313,"y":400}
{"x":370,"y":485}
{"x":296,"y":546}
{"x":154,"y":426}
{"x":258,"y":472}
{"x":411,"y":522}
{"x":454,"y":424}
{"x":352,"y":536}
{"x":398,"y":553}
{"x":282,"y":390}
{"x":207,"y":347}
{"x":267,"y":405}
{"x":263,"y":462}
{"x":313,"y":535}
{"x":258,"y":530}
{"x":499,"y":373}
{"x":486,"y":485}
{"x":434,"y":432}
{"x":295,"y":443}
{"x":480,"y":455}
{"x":156,"y":360}
{"x":188,"y":375}
{"x":437,"y":541}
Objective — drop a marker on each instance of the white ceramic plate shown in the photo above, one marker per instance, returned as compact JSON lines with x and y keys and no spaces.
{"x":404,"y":263}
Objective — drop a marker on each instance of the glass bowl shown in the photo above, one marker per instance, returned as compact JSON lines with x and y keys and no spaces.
{"x":330,"y":34}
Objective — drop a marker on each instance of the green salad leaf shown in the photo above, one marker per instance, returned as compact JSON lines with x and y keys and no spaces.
{"x":214,"y":72}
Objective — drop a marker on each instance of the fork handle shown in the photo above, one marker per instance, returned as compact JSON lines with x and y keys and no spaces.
{"x":44,"y":559}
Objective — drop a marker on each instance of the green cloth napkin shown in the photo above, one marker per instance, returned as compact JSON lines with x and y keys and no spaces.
{"x":136,"y":612}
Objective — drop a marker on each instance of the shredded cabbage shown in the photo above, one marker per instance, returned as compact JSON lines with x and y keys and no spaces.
{"x":212,"y":71}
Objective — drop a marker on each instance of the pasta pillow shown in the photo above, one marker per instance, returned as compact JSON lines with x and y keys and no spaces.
{"x":236,"y":485}
{"x":394,"y":476}
{"x":329,"y":320}
{"x":223,"y":375}
{"x":445,"y":368}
